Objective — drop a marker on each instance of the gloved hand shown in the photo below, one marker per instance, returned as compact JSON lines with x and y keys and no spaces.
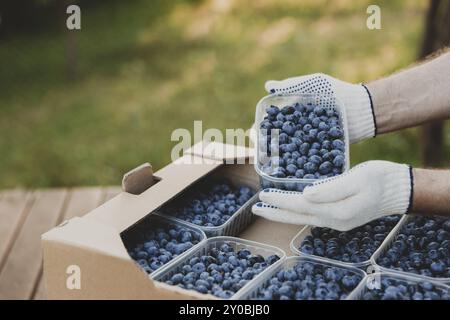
{"x":355,"y":97}
{"x":366,"y":192}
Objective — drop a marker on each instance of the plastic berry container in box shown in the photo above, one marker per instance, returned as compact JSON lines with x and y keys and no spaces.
{"x":155,"y":241}
{"x":419,"y":246}
{"x":305,"y":278}
{"x":198,"y":204}
{"x":396,"y":286}
{"x":300,"y":139}
{"x":210,"y":268}
{"x":353,"y":248}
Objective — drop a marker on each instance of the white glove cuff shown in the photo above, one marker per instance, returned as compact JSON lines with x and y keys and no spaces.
{"x":359,"y":110}
{"x":398,"y":191}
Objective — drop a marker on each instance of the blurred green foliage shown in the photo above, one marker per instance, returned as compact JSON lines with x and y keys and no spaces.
{"x":147,"y":67}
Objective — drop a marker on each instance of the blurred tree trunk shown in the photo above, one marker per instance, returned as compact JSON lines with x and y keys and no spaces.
{"x":71,"y":47}
{"x":437,"y":36}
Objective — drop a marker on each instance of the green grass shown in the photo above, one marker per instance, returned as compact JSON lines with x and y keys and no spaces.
{"x":148,"y":67}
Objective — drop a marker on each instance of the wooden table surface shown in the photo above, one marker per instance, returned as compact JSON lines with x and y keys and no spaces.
{"x":24,"y":216}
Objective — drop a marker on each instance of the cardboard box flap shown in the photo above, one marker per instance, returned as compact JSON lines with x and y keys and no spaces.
{"x":126,"y":209}
{"x":227,"y":153}
{"x":139,"y":179}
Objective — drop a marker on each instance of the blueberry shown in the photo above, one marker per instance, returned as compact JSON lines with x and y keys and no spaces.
{"x":266,"y":125}
{"x":315,"y":145}
{"x":315,"y":159}
{"x":277,"y":124}
{"x":198,"y":267}
{"x":315,"y":122}
{"x":438,"y":267}
{"x":301,"y":161}
{"x":326,"y":144}
{"x":288,"y":127}
{"x":335,"y":132}
{"x":313,"y":133}
{"x":288,"y":110}
{"x":313,"y":152}
{"x":306,"y":128}
{"x":322,"y":136}
{"x":349,"y":281}
{"x":280,"y":117}
{"x":319,"y":111}
{"x":325,"y":167}
{"x":304,"y":148}
{"x":338,"y":144}
{"x":291,"y":169}
{"x":272,"y":110}
{"x":300,"y":173}
{"x":272,"y":259}
{"x":323,"y":126}
{"x":310,"y":167}
{"x":339,"y":161}
{"x":286,"y":291}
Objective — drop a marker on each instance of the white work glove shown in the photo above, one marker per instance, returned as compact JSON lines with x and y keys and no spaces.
{"x":355,"y":97}
{"x":366,"y":192}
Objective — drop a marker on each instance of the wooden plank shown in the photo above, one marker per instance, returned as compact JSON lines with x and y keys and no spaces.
{"x":80,"y":201}
{"x":83,"y":200}
{"x":18,"y":278}
{"x":40,"y":293}
{"x":14,"y":207}
{"x":111,"y":192}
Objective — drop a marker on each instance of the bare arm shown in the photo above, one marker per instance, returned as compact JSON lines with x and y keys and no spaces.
{"x":413,"y":96}
{"x":431,"y":192}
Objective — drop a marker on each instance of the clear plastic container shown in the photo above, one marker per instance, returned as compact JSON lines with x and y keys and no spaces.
{"x":259,"y":284}
{"x":306,"y":231}
{"x":387,"y":243}
{"x":238,"y":221}
{"x":264,"y":250}
{"x":368,"y":283}
{"x":326,"y":101}
{"x":152,"y":222}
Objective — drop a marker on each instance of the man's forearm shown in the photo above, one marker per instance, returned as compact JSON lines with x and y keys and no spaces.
{"x":412,"y":97}
{"x":431,"y":192}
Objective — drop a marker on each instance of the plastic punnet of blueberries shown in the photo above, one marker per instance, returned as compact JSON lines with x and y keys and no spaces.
{"x":354,"y":246}
{"x":398,"y":289}
{"x":210,"y":205}
{"x":310,"y":281}
{"x":154,"y":244}
{"x":421,"y":247}
{"x":311,"y":142}
{"x":221,"y":272}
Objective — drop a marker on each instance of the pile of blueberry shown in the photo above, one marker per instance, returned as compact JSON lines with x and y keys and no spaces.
{"x":421,"y":247}
{"x":310,"y":142}
{"x":310,"y":281}
{"x":151,"y":247}
{"x":395,"y":289}
{"x":210,"y":206}
{"x":352,"y":246}
{"x":222,"y":272}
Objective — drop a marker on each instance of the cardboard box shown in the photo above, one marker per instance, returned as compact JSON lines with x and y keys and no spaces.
{"x":85,"y":258}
